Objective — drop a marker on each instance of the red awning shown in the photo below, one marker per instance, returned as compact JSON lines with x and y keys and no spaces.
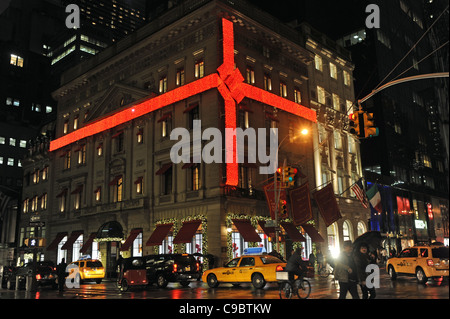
{"x":166,"y":116}
{"x":117,"y":134}
{"x":186,"y":232}
{"x":63,"y":192}
{"x":77,"y":190}
{"x":269,"y":231}
{"x":73,"y":236}
{"x":164,"y":169}
{"x":56,"y":241}
{"x":159,"y":234}
{"x":246,"y":229}
{"x":269,"y":115}
{"x":245,"y":108}
{"x":293,"y":232}
{"x":133,"y":234}
{"x":88,"y":243}
{"x":114,"y":181}
{"x":190,"y":107}
{"x":313,"y":233}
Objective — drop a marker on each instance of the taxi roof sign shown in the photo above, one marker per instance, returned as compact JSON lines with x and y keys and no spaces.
{"x":254,"y":251}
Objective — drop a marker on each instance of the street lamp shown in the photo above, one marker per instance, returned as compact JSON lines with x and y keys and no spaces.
{"x":277,"y":194}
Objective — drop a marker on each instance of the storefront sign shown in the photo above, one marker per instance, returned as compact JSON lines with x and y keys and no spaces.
{"x":420,"y":224}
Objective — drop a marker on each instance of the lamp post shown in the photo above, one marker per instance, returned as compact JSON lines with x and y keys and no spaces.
{"x":277,"y":193}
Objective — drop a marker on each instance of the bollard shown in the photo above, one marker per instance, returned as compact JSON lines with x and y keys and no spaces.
{"x":17,"y":282}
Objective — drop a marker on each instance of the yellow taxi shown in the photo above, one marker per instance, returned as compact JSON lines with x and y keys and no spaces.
{"x":255,"y":269}
{"x":90,"y":269}
{"x":423,"y":262}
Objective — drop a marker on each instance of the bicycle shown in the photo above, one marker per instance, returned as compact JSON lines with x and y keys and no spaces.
{"x":300,"y":287}
{"x":325,"y":270}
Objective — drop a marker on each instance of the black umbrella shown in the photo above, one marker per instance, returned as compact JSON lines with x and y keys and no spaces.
{"x":371,"y":238}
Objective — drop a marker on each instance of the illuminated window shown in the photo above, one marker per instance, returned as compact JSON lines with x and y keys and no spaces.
{"x":45,"y":173}
{"x":199,"y":69}
{"x":195,"y":178}
{"x":67,"y":160}
{"x":34,"y":204}
{"x":139,"y":185}
{"x":267,"y":82}
{"x":250,"y":76}
{"x":75,"y":123}
{"x":163,"y":85}
{"x":336,"y":102}
{"x":100,"y":149}
{"x":16,"y":60}
{"x":140,"y":136}
{"x":180,"y":79}
{"x":98,"y":194}
{"x":321,"y":95}
{"x":82,"y":154}
{"x":137,"y":246}
{"x":297,"y":96}
{"x":118,"y":190}
{"x":333,"y":70}
{"x":44,"y":199}
{"x":426,"y":161}
{"x":318,"y":62}
{"x":283,"y":89}
{"x":347,"y":79}
{"x":66,"y":127}
{"x":26,"y":205}
{"x":10,"y":161}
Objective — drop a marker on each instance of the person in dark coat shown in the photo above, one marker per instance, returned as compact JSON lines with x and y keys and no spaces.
{"x":61,"y":273}
{"x":295,"y":264}
{"x":345,"y":272}
{"x":362,"y":260}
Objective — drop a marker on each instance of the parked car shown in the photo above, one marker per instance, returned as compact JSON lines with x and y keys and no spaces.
{"x":165,"y":268}
{"x":90,"y":269}
{"x":255,"y":269}
{"x":45,"y":275}
{"x":5,"y":273}
{"x":132,"y":273}
{"x":423,"y":262}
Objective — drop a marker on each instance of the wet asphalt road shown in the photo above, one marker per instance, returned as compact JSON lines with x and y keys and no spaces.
{"x":322,"y":288}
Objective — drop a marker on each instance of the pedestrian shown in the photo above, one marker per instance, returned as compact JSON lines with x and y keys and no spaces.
{"x":319,"y":259}
{"x":362,"y":260}
{"x":384,"y":256}
{"x":312,"y":259}
{"x":345,"y":272}
{"x":61,"y":273}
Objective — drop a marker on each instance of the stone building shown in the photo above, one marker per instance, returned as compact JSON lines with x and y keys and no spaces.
{"x":113,"y":186}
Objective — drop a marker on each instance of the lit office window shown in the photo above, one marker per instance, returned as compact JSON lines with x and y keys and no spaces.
{"x":16,"y":60}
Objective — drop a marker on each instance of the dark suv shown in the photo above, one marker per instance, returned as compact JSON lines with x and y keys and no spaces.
{"x":165,"y":268}
{"x":45,"y":274}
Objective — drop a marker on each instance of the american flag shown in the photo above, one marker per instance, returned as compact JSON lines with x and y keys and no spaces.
{"x":357,"y":188}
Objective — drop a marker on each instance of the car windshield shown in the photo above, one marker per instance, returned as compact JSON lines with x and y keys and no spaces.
{"x":94,"y":264}
{"x":440,"y":252}
{"x":233,"y":263}
{"x":270,"y":260}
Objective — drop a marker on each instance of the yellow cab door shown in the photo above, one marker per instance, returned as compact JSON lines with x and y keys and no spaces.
{"x":228,"y":273}
{"x":410,"y":262}
{"x":245,"y":269}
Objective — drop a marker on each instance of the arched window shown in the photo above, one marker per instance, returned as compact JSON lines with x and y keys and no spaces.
{"x":361,"y":228}
{"x":347,"y":231}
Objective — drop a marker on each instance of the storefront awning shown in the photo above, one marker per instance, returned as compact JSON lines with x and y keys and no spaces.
{"x":313,"y":233}
{"x":246,"y":229}
{"x":88,"y":243}
{"x":110,"y":231}
{"x":56,"y":241}
{"x":73,"y":236}
{"x":269,"y":231}
{"x":186,"y":232}
{"x":159,"y":234}
{"x":293,"y":232}
{"x":133,"y":234}
{"x":164,"y":169}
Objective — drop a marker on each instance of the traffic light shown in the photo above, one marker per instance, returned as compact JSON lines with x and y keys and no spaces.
{"x":282,"y":208}
{"x":279,"y":174}
{"x":369,"y":126}
{"x":289,"y":174}
{"x":357,"y":123}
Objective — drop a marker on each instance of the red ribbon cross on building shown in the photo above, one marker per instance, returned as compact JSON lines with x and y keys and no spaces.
{"x":230,"y":83}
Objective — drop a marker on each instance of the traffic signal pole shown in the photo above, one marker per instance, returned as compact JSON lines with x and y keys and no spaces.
{"x":277,"y":194}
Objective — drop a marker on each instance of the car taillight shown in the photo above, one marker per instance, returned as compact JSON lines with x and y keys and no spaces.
{"x":175,"y":268}
{"x":279,"y":268}
{"x":38,"y":277}
{"x":430,"y":262}
{"x":198,"y":266}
